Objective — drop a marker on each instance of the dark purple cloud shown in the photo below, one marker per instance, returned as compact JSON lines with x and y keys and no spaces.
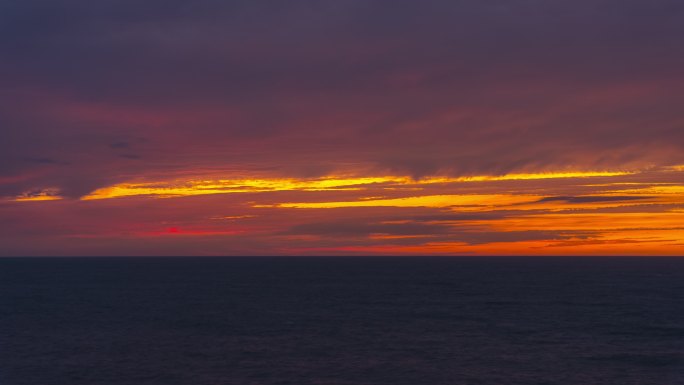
{"x":99,"y":92}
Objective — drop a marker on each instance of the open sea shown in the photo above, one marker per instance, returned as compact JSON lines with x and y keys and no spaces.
{"x":299,"y":321}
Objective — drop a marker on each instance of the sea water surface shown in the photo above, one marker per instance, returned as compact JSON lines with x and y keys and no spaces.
{"x":213,"y":321}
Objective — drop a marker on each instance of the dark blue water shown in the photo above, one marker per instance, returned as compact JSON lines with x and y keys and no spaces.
{"x":321,"y":321}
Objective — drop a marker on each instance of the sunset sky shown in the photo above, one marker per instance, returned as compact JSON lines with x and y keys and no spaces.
{"x":341,"y":127}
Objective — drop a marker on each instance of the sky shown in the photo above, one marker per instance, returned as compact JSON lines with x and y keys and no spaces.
{"x":345,"y":127}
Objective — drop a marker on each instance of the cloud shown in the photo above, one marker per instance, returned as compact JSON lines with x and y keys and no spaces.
{"x":259,"y":226}
{"x":595,"y":199}
{"x":130,"y":156}
{"x":357,"y":228}
{"x":120,"y":145}
{"x":42,"y":160}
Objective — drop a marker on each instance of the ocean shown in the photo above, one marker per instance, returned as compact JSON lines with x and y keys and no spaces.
{"x":346,"y":321}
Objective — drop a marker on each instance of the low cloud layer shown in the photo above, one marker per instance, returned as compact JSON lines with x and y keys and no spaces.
{"x":556,"y":215}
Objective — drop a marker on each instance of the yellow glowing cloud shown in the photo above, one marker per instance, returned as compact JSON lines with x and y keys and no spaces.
{"x":48,"y":194}
{"x":655,"y":190}
{"x":37,"y":198}
{"x":227,"y":186}
{"x":550,"y":175}
{"x":422,"y":201}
